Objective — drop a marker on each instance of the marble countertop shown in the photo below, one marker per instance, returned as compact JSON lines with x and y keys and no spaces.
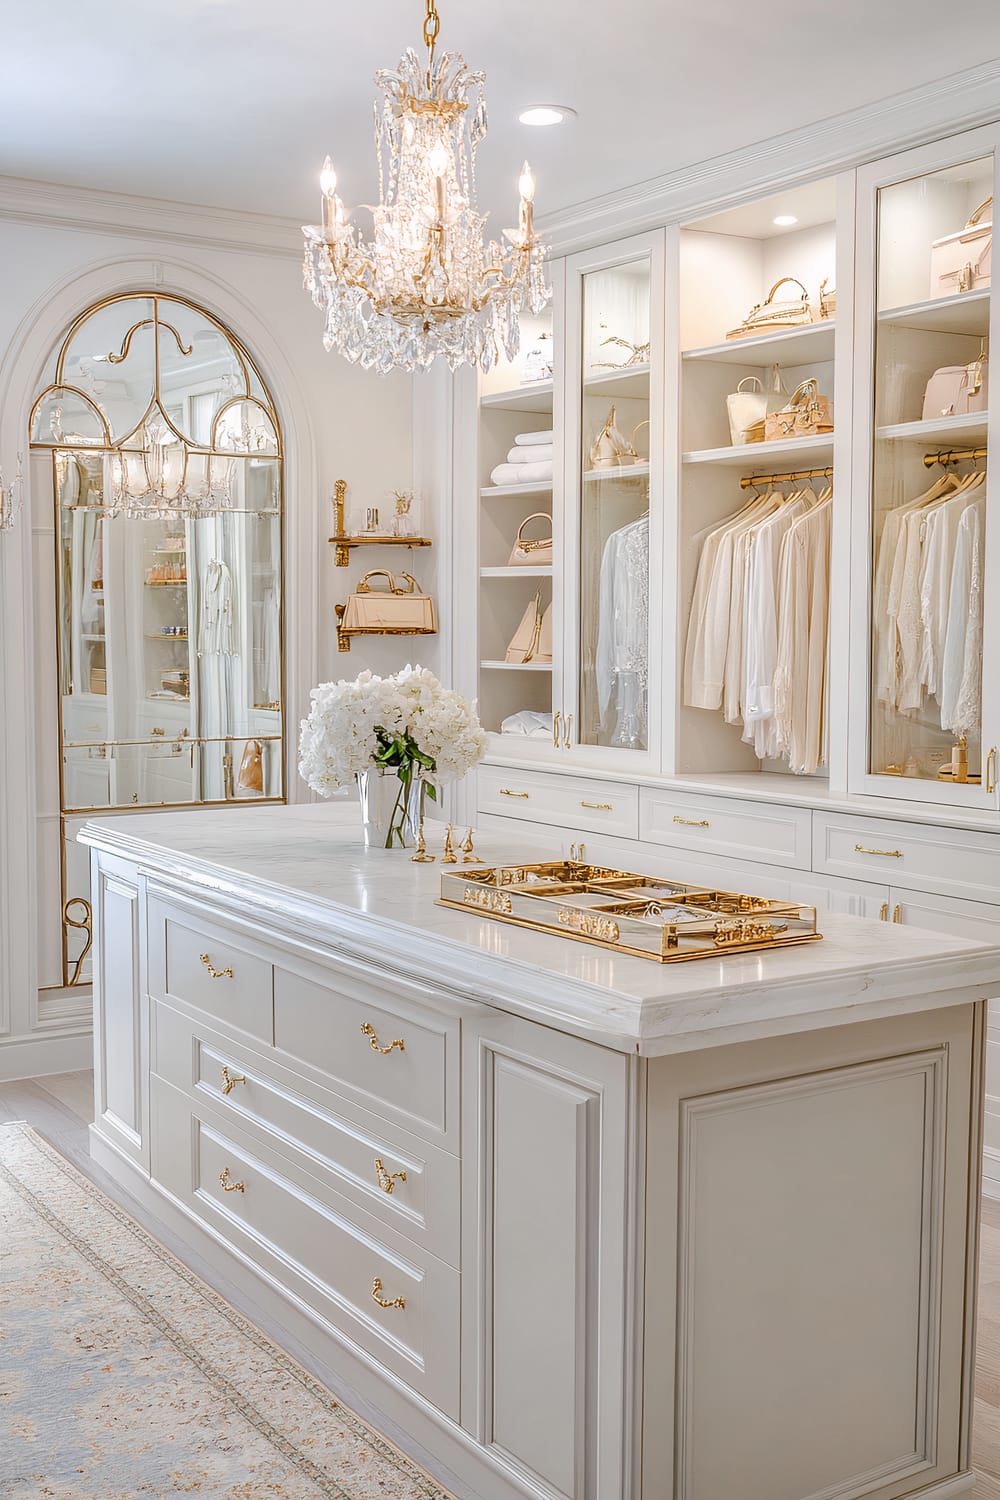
{"x":302,"y":870}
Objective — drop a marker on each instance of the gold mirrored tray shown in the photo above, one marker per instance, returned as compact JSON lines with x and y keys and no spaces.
{"x":644,"y":915}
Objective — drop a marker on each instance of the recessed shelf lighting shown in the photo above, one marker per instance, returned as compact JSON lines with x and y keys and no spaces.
{"x":785,"y":221}
{"x":546,"y":114}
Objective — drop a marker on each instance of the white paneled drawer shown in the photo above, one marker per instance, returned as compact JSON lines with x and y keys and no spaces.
{"x":211,"y":966}
{"x":920,"y":857}
{"x":764,"y":831}
{"x":333,"y":1257}
{"x":406,"y":1183}
{"x":575,"y":802}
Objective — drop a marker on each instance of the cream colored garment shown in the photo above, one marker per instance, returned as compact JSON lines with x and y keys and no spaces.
{"x":962,"y":663}
{"x":708,"y":622}
{"x":800,"y":680}
{"x":885,"y":593}
{"x":940,"y":536}
{"x":760,"y":624}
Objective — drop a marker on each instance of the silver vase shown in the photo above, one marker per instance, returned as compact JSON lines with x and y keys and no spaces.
{"x":390,"y":812}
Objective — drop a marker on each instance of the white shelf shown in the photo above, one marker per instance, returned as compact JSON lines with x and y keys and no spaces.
{"x":968,"y":312}
{"x":516,"y":666}
{"x":812,"y":343}
{"x":632,"y":381}
{"x":753,"y":455}
{"x":517,"y":572}
{"x":510,"y":491}
{"x":975,"y":425}
{"x":536,"y":397}
{"x":624,"y":471}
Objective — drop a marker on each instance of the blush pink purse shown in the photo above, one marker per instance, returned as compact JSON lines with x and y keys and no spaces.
{"x":956,"y":390}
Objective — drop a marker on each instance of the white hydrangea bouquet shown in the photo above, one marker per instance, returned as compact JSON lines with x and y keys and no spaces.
{"x":406,"y":728}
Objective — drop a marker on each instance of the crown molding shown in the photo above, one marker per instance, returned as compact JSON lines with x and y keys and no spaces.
{"x":958,"y":102}
{"x":96,"y":211}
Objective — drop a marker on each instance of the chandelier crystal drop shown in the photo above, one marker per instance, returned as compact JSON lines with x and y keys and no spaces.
{"x":166,"y":478}
{"x":428,"y":283}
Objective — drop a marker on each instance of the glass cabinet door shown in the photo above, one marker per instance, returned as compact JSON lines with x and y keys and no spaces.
{"x":930,"y":527}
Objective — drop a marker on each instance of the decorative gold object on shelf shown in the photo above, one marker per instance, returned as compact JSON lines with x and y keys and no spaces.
{"x":957,"y":769}
{"x":421,"y":857}
{"x":343,"y":543}
{"x":449,"y":857}
{"x":660,"y":919}
{"x":469,"y":855}
{"x":638,"y":354}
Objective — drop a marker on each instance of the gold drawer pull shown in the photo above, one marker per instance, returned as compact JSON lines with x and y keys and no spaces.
{"x":230,"y":1080}
{"x":897,"y":913}
{"x":692,"y":822}
{"x":230,"y":1187}
{"x":387,"y":1180}
{"x":505,"y":791}
{"x":889,"y":853}
{"x":991,"y":770}
{"x":215,"y":973}
{"x":883,"y":912}
{"x":599,"y":806}
{"x":377,"y":1295}
{"x":369,"y":1031}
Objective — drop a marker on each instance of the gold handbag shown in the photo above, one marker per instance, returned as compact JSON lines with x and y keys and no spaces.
{"x":523,"y":645}
{"x":533,"y":554}
{"x":770,"y":315}
{"x":251,"y":773}
{"x":402,"y":610}
{"x":806,"y":414}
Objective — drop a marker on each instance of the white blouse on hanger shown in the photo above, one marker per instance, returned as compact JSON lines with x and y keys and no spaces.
{"x":622,"y":657}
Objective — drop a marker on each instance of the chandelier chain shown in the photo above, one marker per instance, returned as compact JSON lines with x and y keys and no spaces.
{"x":432,"y":25}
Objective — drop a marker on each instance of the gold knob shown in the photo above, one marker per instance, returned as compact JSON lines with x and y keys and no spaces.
{"x":387,"y":1180}
{"x":369,"y":1031}
{"x":215,"y":973}
{"x":505,"y":791}
{"x":377,"y":1296}
{"x":889,"y":853}
{"x":692,"y":822}
{"x":883,"y":912}
{"x":230,"y":1080}
{"x":230,"y":1187}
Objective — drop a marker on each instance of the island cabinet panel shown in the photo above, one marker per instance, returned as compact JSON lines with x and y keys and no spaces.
{"x":204,"y":962}
{"x":121,"y":1041}
{"x":544,"y":1214}
{"x":809,"y":1202}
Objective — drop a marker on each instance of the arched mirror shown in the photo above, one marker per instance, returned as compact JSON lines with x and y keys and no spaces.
{"x":165,"y":454}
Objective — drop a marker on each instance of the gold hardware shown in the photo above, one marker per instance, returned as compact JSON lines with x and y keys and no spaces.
{"x":897,"y":913}
{"x":86,"y":924}
{"x":369,"y":1031}
{"x":883,"y":912}
{"x":555,"y":728}
{"x":469,"y":855}
{"x":215,"y":973}
{"x":505,"y":791}
{"x":230,"y":1080}
{"x":600,"y":806}
{"x":948,"y":456}
{"x":991,"y":770}
{"x":577,"y":853}
{"x":449,"y":857}
{"x":387,"y":1180}
{"x":421,"y":857}
{"x":889,"y":853}
{"x":228,"y":1186}
{"x":497,"y":901}
{"x":568,"y":732}
{"x":692,"y":822}
{"x":590,"y":924}
{"x":156,"y":730}
{"x":743,"y":931}
{"x":752,"y":481}
{"x":377,"y":1296}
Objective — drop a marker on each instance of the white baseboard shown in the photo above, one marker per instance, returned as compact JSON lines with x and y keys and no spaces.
{"x":36,"y":1056}
{"x":961,"y":1484}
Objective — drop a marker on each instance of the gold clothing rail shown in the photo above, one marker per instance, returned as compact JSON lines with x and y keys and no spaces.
{"x":947,"y":456}
{"x":752,"y":481}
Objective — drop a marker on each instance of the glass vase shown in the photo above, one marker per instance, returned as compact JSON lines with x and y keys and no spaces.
{"x":391,"y":810}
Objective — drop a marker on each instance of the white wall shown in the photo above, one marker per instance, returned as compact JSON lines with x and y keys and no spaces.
{"x":59,"y":252}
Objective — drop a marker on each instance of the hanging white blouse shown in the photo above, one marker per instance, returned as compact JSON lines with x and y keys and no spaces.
{"x":962,"y":664}
{"x":709,"y":621}
{"x":218,"y":627}
{"x":622,"y":657}
{"x":803,"y":639}
{"x":760,"y":624}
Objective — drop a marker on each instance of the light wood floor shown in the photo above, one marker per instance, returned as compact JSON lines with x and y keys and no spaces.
{"x":60,"y":1108}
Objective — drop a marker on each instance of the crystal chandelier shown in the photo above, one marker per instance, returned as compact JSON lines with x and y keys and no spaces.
{"x":427,"y":284}
{"x":11,"y":497}
{"x":167,"y":478}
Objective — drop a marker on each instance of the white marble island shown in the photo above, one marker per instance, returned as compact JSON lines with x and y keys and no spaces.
{"x":583,"y":1225}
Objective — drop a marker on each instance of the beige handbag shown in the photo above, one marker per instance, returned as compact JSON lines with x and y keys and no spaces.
{"x":523,"y":645}
{"x":610,"y":448}
{"x":956,"y":390}
{"x":827,"y":299}
{"x":770,"y":315}
{"x":402,"y":610}
{"x":806,"y":414}
{"x":746,"y":411}
{"x":962,"y":262}
{"x":535,"y":553}
{"x":251,"y":773}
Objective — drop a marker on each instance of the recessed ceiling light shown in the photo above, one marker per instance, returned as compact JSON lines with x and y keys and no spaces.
{"x":546,"y":114}
{"x":785,"y":221}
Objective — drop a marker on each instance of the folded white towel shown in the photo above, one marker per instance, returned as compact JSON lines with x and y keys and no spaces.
{"x":536,"y":726}
{"x":522,"y":473}
{"x":530,"y":439}
{"x":539,"y":455}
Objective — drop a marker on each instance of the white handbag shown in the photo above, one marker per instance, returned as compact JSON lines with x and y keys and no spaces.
{"x":956,"y":390}
{"x":746,"y":411}
{"x":963,"y":262}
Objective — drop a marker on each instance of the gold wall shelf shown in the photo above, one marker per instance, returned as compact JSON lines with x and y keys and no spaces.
{"x":343,"y":544}
{"x":665,"y":920}
{"x":345,"y":632}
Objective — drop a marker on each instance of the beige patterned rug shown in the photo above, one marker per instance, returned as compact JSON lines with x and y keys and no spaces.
{"x":123,"y":1375}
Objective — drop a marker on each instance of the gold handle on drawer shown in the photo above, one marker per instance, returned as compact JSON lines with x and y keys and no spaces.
{"x":377,"y":1296}
{"x":387,"y":1180}
{"x":555,"y":728}
{"x":369,"y":1031}
{"x":505,"y":791}
{"x":215,"y":973}
{"x":889,"y":853}
{"x":157,"y":730}
{"x":991,"y":770}
{"x":883,"y":912}
{"x":230,"y":1080}
{"x":600,"y":806}
{"x":230,"y":1187}
{"x":897,"y":913}
{"x":568,"y":732}
{"x":692,"y":822}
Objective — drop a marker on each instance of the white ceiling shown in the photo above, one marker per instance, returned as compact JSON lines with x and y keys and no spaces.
{"x":235,"y":102}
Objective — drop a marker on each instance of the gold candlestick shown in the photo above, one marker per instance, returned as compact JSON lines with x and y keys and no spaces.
{"x":449,"y":857}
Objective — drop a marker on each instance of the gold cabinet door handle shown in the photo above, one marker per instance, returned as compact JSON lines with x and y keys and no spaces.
{"x":897,"y":913}
{"x":692,"y":822}
{"x":369,"y":1031}
{"x":382,"y":1302}
{"x":387,"y":1180}
{"x":568,"y":732}
{"x":215,"y":973}
{"x":889,"y":853}
{"x":555,"y":728}
{"x":230,"y":1080}
{"x":600,"y":806}
{"x":505,"y":791}
{"x":229,"y":1186}
{"x":883,"y":912}
{"x":991,"y":770}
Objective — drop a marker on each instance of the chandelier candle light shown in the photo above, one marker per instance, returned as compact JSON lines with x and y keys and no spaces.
{"x":427,"y":284}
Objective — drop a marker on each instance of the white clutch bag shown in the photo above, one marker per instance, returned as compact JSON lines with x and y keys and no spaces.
{"x":963,"y":262}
